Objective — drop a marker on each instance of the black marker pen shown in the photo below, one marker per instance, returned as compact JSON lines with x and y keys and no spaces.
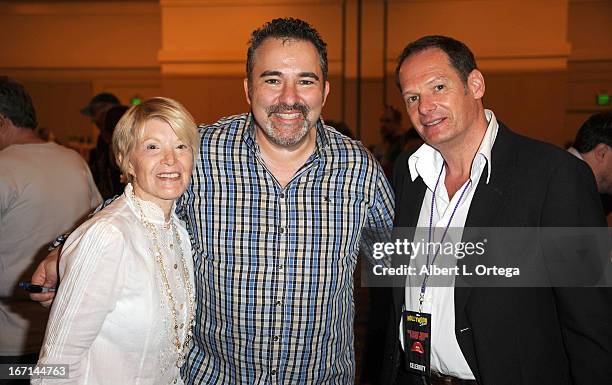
{"x":28,"y":286}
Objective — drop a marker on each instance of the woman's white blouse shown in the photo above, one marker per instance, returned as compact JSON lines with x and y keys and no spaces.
{"x":110,"y":321}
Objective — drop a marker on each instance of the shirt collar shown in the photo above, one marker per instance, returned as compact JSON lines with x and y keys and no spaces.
{"x":322,"y":140}
{"x":427,"y":162}
{"x":150,"y":210}
{"x":575,"y":152}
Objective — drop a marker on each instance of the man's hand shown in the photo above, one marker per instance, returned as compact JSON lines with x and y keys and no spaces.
{"x":46,"y":275}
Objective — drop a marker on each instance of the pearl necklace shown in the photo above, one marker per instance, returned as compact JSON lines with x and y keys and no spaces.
{"x":180,"y":348}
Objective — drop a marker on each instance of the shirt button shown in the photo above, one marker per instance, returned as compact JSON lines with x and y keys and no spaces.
{"x":278,"y":303}
{"x":279,"y":267}
{"x":175,"y":266}
{"x":281,"y":230}
{"x":273,"y":372}
{"x":276,"y":338}
{"x":282,"y":195}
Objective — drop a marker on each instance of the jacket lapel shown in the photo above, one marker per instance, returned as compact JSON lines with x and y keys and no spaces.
{"x":488,"y":200}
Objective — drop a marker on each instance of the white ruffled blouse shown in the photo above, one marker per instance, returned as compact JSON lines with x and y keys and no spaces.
{"x":111,"y":320}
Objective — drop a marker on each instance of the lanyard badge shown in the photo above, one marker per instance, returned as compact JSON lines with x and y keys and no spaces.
{"x":417,"y":342}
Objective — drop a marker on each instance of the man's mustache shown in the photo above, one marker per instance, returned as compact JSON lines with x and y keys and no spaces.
{"x":284,"y":107}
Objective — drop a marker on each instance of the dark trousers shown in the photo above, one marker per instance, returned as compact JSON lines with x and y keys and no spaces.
{"x":404,"y":378}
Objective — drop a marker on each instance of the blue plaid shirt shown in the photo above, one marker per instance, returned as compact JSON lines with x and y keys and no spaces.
{"x":274,"y":266}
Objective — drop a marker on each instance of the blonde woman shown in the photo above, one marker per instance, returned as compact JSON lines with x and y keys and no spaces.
{"x":125,"y":306}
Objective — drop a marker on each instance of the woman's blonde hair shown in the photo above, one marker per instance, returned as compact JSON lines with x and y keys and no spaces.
{"x":130,"y":129}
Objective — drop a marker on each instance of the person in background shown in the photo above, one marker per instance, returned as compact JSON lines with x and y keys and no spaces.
{"x":45,"y":190}
{"x":97,"y":107}
{"x":593,"y":144}
{"x":394,"y":139}
{"x":99,"y":160}
{"x":104,"y":166}
{"x":125,"y":307}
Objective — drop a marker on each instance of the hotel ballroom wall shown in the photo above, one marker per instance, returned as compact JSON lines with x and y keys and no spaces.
{"x":544,"y":61}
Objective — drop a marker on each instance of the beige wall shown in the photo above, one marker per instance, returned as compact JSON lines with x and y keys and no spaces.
{"x":543,"y":60}
{"x":65,"y":53}
{"x":590,"y":63}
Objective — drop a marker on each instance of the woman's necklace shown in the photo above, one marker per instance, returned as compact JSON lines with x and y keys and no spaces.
{"x":180,"y":348}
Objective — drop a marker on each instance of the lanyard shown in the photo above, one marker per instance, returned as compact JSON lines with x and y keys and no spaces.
{"x":433,"y":199}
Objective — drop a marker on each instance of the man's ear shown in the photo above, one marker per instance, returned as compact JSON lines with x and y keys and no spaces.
{"x":247,"y":92}
{"x":325,"y":92}
{"x":600,"y":152}
{"x":476,"y":84}
{"x":3,"y":121}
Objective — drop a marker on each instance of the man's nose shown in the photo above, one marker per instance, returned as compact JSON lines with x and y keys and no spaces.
{"x":426,"y":105}
{"x":289,"y":94}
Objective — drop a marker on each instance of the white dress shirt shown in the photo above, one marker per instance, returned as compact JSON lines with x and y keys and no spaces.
{"x":427,"y":163}
{"x":111,"y":320}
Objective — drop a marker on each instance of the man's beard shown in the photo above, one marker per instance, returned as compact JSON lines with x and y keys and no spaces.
{"x":275,"y":135}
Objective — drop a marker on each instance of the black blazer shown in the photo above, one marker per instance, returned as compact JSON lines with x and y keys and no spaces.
{"x":521,"y":336}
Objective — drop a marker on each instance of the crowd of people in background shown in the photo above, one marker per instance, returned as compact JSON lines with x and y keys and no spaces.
{"x":242,"y":273}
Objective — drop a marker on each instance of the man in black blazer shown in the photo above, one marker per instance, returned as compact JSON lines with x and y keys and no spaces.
{"x":473,"y":171}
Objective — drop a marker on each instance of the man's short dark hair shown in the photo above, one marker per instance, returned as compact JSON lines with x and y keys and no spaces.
{"x":286,"y":28}
{"x":597,"y":129}
{"x":459,"y":55}
{"x":16,"y":104}
{"x":100,"y":100}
